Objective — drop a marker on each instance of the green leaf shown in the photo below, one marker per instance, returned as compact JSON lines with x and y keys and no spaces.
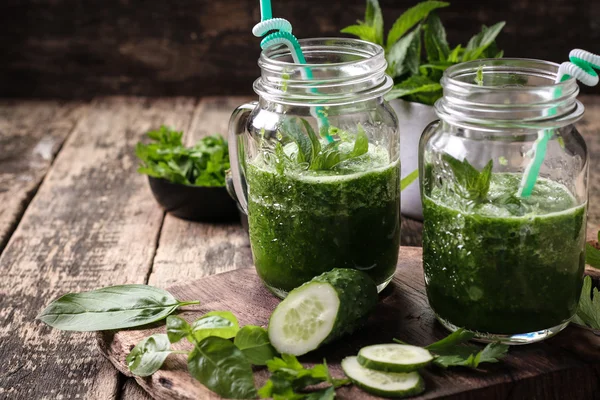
{"x":468,"y":356}
{"x":588,"y":313}
{"x":280,"y":158}
{"x":254,"y":342}
{"x":414,"y":84}
{"x":314,"y":139}
{"x":455,"y":338}
{"x":362,"y":31}
{"x":492,"y":353}
{"x":413,"y":54}
{"x":479,"y":76}
{"x":408,"y":179}
{"x":220,"y":366}
{"x":293,"y":128}
{"x":374,"y":18}
{"x":480,"y":42}
{"x":149,"y":355}
{"x":436,"y":44}
{"x":113,"y":307}
{"x":456,"y":54}
{"x":396,"y":55}
{"x":469,"y":182}
{"x":177,"y":328}
{"x":592,"y":256}
{"x":361,"y":144}
{"x":410,"y":18}
{"x":221,"y":324}
{"x":323,"y":394}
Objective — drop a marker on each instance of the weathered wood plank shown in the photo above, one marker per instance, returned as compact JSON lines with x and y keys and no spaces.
{"x":188,"y":250}
{"x":31,"y":133}
{"x":92,"y":223}
{"x":71,"y":48}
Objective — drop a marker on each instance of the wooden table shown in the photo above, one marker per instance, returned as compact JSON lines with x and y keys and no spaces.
{"x":77,"y":216}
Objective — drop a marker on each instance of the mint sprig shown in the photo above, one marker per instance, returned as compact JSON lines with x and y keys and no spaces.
{"x":311,"y":152}
{"x":470,"y":183}
{"x":417,"y":75}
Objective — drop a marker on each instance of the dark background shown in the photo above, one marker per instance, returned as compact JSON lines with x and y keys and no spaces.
{"x":83,"y":48}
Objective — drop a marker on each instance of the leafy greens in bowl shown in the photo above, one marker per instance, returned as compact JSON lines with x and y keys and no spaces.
{"x":417,"y":73}
{"x":188,"y":182}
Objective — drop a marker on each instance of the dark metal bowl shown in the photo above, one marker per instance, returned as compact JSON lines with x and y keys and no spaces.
{"x":194,"y":203}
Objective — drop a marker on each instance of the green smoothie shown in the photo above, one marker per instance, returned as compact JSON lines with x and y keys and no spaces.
{"x":504,"y":265}
{"x":303,"y":223}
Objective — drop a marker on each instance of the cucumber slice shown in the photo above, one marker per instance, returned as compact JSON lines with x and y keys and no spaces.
{"x":321,"y":310}
{"x":385,"y":384}
{"x":394,"y":357}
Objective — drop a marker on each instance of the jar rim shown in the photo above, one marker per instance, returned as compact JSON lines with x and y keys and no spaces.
{"x":342,"y":71}
{"x":450,"y":73}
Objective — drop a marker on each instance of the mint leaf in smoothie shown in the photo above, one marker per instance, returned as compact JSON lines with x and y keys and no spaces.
{"x":471,"y":183}
{"x":588,"y":313}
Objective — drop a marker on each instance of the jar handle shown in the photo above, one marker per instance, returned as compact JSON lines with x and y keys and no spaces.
{"x":237,"y":127}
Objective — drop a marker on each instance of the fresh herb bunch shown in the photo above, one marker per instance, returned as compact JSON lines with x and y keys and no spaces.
{"x":204,"y":164}
{"x":417,"y":75}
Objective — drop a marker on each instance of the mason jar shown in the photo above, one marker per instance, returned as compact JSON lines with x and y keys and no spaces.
{"x":504,"y":193}
{"x":315,"y":164}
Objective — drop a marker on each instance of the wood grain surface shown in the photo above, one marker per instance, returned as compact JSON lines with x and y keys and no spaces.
{"x":403,"y":313}
{"x":83,"y":48}
{"x":93,"y":222}
{"x":31,"y":133}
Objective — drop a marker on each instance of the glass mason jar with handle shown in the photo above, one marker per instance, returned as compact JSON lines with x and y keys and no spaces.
{"x":499,"y":262}
{"x":315,"y":164}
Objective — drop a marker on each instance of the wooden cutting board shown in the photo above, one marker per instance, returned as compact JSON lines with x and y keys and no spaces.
{"x":564,"y":367}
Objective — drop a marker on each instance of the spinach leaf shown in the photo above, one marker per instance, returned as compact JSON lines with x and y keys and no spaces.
{"x":588,"y":313}
{"x":149,"y":355}
{"x":177,"y":328}
{"x":254,"y":342}
{"x":220,"y":366}
{"x":113,"y":307}
{"x":221,"y":324}
{"x":410,"y":18}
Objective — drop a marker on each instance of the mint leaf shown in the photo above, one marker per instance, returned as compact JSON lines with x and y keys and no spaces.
{"x":293,"y":128}
{"x":479,"y":76}
{"x":456,"y":54}
{"x":374,"y":18}
{"x":480,"y":42}
{"x":410,"y":18}
{"x":362,"y":31}
{"x":397,"y":54}
{"x":588,"y":312}
{"x":592,"y":256}
{"x":470,"y":183}
{"x":413,"y":54}
{"x":361,"y":143}
{"x":414,"y":84}
{"x":436,"y":44}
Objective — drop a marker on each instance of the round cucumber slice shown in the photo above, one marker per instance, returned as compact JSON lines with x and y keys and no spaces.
{"x":386,"y":384}
{"x":304,"y":319}
{"x":394,"y":357}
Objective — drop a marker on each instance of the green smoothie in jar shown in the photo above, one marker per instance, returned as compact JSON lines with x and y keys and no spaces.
{"x":504,"y":264}
{"x":305,"y":221}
